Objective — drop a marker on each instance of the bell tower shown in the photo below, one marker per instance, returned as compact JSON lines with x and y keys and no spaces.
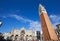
{"x":47,"y":28}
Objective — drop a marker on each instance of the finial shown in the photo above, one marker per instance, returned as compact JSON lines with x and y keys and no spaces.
{"x":41,"y":9}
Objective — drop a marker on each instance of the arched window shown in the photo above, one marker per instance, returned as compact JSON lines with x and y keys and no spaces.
{"x":30,"y":35}
{"x":23,"y":31}
{"x":16,"y":35}
{"x":26,"y":35}
{"x":11,"y":36}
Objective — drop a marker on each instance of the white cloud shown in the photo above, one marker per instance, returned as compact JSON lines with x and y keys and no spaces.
{"x":3,"y":16}
{"x":33,"y":25}
{"x":53,"y":16}
{"x":55,"y":20}
{"x":20,"y":18}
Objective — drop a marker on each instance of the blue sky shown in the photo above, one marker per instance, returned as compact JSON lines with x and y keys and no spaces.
{"x":16,"y":14}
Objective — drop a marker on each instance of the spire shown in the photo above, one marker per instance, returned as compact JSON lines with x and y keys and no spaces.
{"x":41,"y":9}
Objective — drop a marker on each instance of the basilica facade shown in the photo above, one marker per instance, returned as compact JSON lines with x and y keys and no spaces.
{"x":21,"y":35}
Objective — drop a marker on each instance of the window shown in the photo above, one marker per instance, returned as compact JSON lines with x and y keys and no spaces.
{"x":26,"y":35}
{"x":23,"y":31}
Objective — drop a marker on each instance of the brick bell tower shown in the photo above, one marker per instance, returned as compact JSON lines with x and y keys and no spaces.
{"x":47,"y":28}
